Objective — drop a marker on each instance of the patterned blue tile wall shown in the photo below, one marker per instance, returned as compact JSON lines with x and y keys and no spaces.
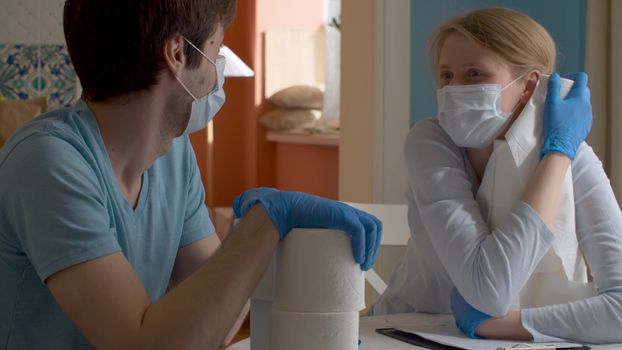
{"x":28,"y":71}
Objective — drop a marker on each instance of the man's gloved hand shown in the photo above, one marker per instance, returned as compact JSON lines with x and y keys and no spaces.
{"x":467,"y":317}
{"x":289,"y":210}
{"x":567,"y":122}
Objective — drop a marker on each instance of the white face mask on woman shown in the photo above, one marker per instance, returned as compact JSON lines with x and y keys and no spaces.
{"x":205,"y":108}
{"x":471,"y":114}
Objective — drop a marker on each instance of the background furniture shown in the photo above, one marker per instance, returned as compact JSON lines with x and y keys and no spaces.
{"x":395,"y":237}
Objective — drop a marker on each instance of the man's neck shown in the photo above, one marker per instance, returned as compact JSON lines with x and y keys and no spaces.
{"x":131,"y":128}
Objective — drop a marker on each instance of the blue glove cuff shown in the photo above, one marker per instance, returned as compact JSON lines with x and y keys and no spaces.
{"x":558,"y":145}
{"x":282,"y":226}
{"x":468,"y":318}
{"x":277,"y":219}
{"x":470,"y":330}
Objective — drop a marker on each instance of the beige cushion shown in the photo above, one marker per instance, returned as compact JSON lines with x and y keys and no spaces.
{"x":289,"y":119}
{"x":15,"y":113}
{"x":298,"y":96}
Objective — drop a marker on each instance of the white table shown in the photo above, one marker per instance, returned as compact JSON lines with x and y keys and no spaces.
{"x":369,"y":338}
{"x":374,"y":341}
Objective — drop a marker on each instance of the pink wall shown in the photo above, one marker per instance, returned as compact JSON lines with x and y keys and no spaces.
{"x":289,"y":14}
{"x":308,"y":168}
{"x":242,"y":157}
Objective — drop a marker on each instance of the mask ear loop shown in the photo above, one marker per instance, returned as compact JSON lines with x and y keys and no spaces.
{"x":510,"y":114}
{"x":208,"y":59}
{"x":185,"y":88}
{"x":514,"y":81}
{"x":523,"y":75}
{"x":199,"y":50}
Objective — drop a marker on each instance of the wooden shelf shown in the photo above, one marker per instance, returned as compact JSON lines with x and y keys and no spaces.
{"x":304,"y":138}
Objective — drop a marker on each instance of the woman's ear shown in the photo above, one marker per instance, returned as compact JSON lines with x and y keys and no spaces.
{"x":173,"y":52}
{"x":531,"y":81}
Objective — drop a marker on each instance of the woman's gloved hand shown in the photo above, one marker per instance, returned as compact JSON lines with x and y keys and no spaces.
{"x":288,"y":210}
{"x":468,"y":319}
{"x":567,"y":122}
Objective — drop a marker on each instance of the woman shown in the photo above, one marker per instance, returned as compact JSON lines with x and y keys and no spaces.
{"x":455,"y":261}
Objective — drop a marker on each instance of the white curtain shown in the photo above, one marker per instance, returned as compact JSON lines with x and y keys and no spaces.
{"x":330,"y":111}
{"x":602,"y":62}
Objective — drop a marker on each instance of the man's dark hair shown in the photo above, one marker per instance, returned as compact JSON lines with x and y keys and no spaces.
{"x":116,"y":45}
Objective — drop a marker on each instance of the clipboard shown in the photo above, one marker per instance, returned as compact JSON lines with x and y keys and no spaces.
{"x":414,"y":339}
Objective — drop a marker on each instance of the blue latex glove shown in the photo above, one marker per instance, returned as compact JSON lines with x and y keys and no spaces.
{"x":467,"y":317}
{"x":567,"y":122}
{"x":288,"y":210}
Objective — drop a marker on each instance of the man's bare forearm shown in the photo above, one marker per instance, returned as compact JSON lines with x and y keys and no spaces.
{"x":237,"y":325}
{"x":202,"y":309}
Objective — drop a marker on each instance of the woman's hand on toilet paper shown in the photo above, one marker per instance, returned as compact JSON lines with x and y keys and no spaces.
{"x":289,"y":210}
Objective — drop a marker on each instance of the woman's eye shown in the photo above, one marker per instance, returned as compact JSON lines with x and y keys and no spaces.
{"x":475,"y":73}
{"x":445,"y":76}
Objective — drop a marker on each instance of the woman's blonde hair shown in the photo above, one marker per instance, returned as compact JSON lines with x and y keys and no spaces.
{"x":518,"y":39}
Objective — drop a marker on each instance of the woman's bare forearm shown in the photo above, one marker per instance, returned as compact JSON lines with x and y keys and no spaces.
{"x":508,"y":327}
{"x":546,"y":184}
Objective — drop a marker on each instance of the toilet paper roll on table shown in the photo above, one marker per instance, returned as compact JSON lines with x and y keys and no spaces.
{"x":260,"y":324}
{"x":311,"y":331}
{"x":310,"y":295}
{"x":316,"y":272}
{"x":261,"y":307}
{"x":265,"y":288}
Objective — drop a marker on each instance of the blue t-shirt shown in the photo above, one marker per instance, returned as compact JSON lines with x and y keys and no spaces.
{"x":60,"y":205}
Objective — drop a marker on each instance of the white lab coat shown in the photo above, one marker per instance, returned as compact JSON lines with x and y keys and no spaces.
{"x":452,"y":245}
{"x":561,"y":275}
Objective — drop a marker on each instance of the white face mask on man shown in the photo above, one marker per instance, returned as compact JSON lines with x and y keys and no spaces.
{"x":205,"y":108}
{"x":471,"y":114}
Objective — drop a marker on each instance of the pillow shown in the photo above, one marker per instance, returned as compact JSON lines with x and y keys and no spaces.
{"x":15,"y":113}
{"x":289,"y":119}
{"x":298,"y":96}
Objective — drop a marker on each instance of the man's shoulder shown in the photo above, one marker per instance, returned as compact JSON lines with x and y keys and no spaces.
{"x":52,"y":145}
{"x":64,"y":123}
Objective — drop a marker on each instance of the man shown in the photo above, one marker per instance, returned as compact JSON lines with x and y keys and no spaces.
{"x":105,"y":240}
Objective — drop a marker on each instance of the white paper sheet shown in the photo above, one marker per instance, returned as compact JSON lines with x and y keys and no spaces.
{"x":442,"y":329}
